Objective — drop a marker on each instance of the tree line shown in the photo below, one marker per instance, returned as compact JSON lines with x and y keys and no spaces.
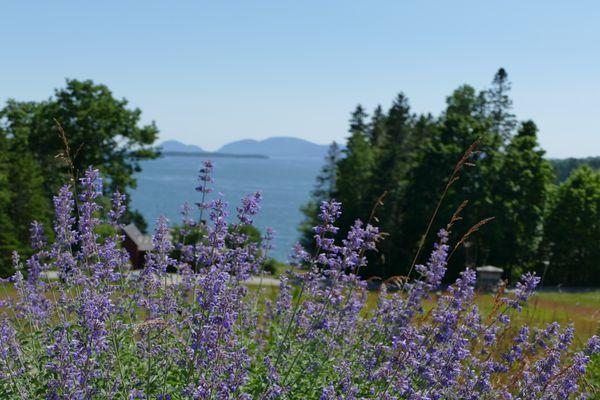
{"x":44,"y":144}
{"x":515,"y":215}
{"x":564,"y":167}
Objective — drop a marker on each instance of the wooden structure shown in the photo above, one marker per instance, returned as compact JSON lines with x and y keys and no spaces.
{"x":136,"y":244}
{"x":488,"y":278}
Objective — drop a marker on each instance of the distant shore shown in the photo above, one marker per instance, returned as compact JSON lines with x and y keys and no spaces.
{"x":210,"y":155}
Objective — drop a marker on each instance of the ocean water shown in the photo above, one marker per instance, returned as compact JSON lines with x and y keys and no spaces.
{"x":166,"y":183}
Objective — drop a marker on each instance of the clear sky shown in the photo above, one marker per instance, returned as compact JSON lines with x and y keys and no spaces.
{"x":212,"y":72}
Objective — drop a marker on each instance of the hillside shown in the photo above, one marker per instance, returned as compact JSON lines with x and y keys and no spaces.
{"x":276,"y":147}
{"x":179,"y":147}
{"x":563,"y":167}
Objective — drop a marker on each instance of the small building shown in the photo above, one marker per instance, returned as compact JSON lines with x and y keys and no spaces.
{"x":136,"y":244}
{"x":488,"y":278}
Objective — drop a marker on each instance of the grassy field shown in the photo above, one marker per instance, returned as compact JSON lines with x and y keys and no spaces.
{"x":580,"y":309}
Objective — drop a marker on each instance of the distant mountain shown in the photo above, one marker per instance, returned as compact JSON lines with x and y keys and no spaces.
{"x":175,"y":148}
{"x":178,"y":147}
{"x":276,"y":147}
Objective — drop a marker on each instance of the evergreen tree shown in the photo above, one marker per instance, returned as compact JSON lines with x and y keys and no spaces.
{"x":499,"y":105}
{"x":357,"y":120}
{"x":8,"y":239}
{"x":522,"y":195}
{"x":325,"y":189}
{"x":355,"y":171}
{"x":392,"y":156}
{"x":572,"y":231}
{"x":423,"y":130}
{"x":23,"y":199}
{"x":411,"y":158}
{"x":326,"y":180}
{"x":398,"y":123}
{"x":377,"y":128}
{"x":26,"y":187}
{"x":459,"y":127}
{"x":564,"y":167}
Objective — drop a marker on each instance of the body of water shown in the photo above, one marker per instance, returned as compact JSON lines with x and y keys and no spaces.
{"x":166,"y":183}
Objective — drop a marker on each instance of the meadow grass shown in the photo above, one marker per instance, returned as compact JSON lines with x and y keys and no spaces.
{"x":580,"y":309}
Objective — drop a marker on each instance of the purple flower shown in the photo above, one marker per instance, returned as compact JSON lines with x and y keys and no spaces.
{"x":524,"y":289}
{"x":205,"y":179}
{"x":118,"y":209}
{"x":249,"y":208}
{"x":192,"y":325}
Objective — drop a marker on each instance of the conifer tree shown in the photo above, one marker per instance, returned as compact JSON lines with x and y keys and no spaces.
{"x":459,"y":127}
{"x":377,"y":128}
{"x":27,"y":193}
{"x":572,"y":231}
{"x":326,"y":180}
{"x":392,"y":157}
{"x":522,"y":194}
{"x":325,"y":189}
{"x":499,"y":105}
{"x":23,"y":200}
{"x":7,"y":235}
{"x":355,"y":172}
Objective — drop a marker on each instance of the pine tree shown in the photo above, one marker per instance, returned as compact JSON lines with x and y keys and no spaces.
{"x":398,"y":122}
{"x":325,"y":189}
{"x":27,"y":193}
{"x":377,"y":127}
{"x":459,"y":127}
{"x":357,"y":120}
{"x":355,"y":171}
{"x":23,"y":199}
{"x":572,"y":231}
{"x":522,"y":194}
{"x":392,"y":155}
{"x":326,"y":180}
{"x":499,"y":105}
{"x":8,"y":239}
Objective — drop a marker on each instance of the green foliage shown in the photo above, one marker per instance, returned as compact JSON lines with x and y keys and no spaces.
{"x":499,"y":105}
{"x":324,"y":190}
{"x":563,"y":168}
{"x":410,"y":157}
{"x":22,"y":200}
{"x":274,"y":267}
{"x":593,"y":376}
{"x":522,"y":194}
{"x":461,"y":125}
{"x":7,"y":235}
{"x":355,"y":171}
{"x":250,"y":232}
{"x":572,"y":231}
{"x":101,"y":131}
{"x":392,"y":157}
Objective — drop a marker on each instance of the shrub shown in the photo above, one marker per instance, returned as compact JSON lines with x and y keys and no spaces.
{"x":100,"y":332}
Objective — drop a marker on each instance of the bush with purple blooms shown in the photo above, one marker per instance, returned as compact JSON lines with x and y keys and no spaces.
{"x":102,"y":331}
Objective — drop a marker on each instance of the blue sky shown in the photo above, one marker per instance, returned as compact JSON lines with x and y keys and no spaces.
{"x":212,"y":72}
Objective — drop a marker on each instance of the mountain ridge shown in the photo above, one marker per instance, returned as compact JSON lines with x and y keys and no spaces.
{"x":180,"y":147}
{"x":277,"y":146}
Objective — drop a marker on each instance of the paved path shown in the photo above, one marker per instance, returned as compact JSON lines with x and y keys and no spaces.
{"x":174,"y":278}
